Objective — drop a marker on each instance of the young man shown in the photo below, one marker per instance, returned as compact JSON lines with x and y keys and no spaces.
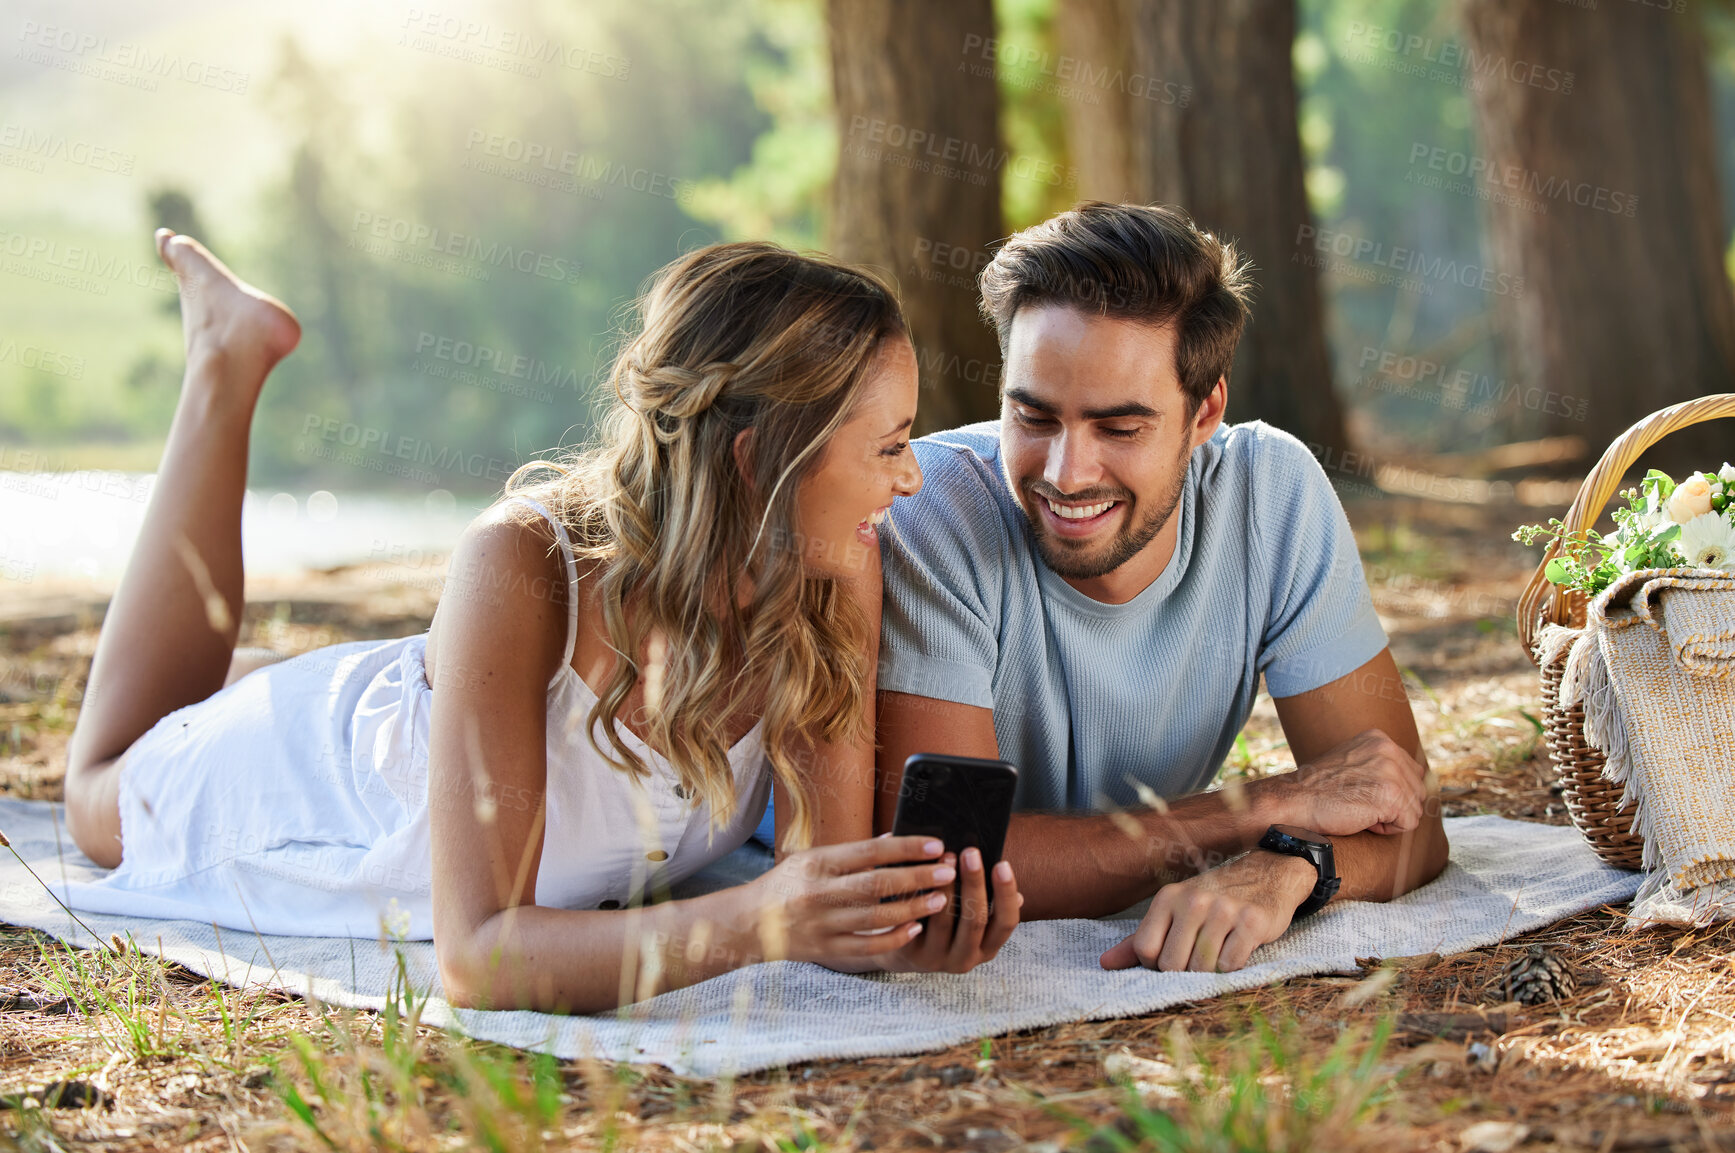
{"x":1093,"y":586}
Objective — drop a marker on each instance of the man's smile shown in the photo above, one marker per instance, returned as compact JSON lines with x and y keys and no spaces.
{"x":1075,"y":519}
{"x":1079,"y":512}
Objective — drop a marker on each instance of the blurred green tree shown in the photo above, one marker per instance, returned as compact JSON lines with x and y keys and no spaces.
{"x":461,"y":251}
{"x":1369,"y":128}
{"x":169,"y":207}
{"x":173,"y":208}
{"x":782,"y":193}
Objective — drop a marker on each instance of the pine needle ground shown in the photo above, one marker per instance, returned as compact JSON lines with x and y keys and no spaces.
{"x":1405,"y":1053}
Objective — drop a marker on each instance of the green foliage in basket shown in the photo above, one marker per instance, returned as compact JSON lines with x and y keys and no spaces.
{"x":1664,"y":525}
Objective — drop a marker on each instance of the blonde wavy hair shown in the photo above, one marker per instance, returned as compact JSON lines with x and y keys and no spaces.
{"x":694,"y":557}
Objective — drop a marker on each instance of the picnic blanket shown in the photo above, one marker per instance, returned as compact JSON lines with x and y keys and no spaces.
{"x":1506,"y":877}
{"x":1651,"y":667}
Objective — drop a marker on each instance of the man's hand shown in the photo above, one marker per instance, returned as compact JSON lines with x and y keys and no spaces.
{"x":1366,"y":784}
{"x":1211,"y":923}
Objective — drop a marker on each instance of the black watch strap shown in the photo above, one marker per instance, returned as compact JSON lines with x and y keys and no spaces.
{"x":1293,"y":842}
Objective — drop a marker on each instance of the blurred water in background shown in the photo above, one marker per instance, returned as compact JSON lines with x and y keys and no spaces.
{"x":82,"y":525}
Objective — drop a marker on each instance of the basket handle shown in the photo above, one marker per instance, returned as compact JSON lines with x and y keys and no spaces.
{"x":1542,"y":599}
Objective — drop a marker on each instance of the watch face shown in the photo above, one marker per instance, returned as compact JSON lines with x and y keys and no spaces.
{"x":1306,"y":836}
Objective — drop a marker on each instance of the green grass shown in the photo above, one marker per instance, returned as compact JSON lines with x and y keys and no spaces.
{"x":374,"y":1081}
{"x":1264,"y":1091}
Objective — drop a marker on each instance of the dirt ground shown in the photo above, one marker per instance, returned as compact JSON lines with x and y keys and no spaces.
{"x":1411,"y":1053}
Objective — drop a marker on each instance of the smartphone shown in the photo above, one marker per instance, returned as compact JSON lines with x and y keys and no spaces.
{"x":964,"y":801}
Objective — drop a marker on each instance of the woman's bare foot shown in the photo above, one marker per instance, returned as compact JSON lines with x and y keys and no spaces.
{"x":223,"y":316}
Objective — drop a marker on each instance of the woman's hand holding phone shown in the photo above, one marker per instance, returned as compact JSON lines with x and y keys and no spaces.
{"x":966,"y":932}
{"x":967,"y":803}
{"x":846,"y":905}
{"x":867,"y":904}
{"x":896,"y":904}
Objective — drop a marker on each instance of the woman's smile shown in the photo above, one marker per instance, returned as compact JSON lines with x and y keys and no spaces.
{"x":868,"y":530}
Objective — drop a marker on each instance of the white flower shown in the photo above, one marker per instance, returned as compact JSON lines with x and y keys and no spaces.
{"x":1691,"y":498}
{"x":1726,"y":474}
{"x":1650,"y":517}
{"x":1707,"y":541}
{"x":395,"y":921}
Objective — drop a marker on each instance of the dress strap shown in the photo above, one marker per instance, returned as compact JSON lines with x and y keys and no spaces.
{"x":571,"y":574}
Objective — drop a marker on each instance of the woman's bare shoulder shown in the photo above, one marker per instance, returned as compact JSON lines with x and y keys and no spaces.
{"x":505,"y":591}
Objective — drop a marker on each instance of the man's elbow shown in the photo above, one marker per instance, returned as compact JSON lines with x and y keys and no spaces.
{"x":1438,"y":854}
{"x":1418,"y":857}
{"x":1429,"y":852}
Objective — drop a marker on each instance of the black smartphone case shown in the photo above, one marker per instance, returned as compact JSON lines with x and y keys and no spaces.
{"x":964,"y":801}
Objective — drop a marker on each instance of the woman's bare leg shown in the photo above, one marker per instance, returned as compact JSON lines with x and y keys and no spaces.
{"x":171,"y":628}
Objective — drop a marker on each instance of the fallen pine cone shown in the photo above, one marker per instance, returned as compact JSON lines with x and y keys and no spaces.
{"x":1537,"y":977}
{"x":59,"y":1095}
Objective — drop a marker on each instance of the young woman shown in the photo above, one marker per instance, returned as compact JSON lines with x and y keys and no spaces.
{"x":632,"y":646}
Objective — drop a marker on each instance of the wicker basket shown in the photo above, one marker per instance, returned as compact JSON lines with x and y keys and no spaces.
{"x":1593,"y":801}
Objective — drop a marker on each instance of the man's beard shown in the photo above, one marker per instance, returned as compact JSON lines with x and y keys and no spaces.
{"x":1073,"y":563}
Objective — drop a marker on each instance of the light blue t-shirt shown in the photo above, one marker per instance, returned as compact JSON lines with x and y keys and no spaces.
{"x":1090,"y":698}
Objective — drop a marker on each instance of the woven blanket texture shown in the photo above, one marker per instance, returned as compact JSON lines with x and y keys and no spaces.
{"x":1506,"y":877}
{"x":1651,"y":668}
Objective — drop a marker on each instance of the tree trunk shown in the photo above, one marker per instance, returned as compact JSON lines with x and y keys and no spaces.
{"x":1596,"y":126}
{"x":1212,"y":93}
{"x":1198,"y":110}
{"x":917,"y":192}
{"x":1099,"y":128}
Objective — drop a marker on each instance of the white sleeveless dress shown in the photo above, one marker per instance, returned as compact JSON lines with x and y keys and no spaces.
{"x":296,"y":801}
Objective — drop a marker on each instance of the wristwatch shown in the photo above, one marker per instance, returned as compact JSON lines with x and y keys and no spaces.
{"x":1293,"y":842}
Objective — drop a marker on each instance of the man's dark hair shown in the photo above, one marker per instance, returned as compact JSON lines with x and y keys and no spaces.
{"x":1149,"y":264}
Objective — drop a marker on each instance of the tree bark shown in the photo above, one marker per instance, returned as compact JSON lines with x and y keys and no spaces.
{"x":917,"y":192}
{"x":1098,"y":114}
{"x":1617,"y":227}
{"x":1211,"y":92}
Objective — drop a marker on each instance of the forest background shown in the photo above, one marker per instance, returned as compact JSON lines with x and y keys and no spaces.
{"x":461,"y":204}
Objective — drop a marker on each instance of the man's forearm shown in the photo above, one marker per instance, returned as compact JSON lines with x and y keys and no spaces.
{"x":1095,"y":864}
